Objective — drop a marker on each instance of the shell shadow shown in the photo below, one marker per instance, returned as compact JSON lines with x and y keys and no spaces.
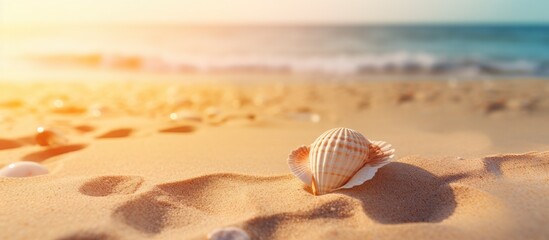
{"x":403,"y":193}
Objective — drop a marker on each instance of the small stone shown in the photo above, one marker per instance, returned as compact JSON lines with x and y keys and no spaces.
{"x":228,"y":233}
{"x":49,"y":138}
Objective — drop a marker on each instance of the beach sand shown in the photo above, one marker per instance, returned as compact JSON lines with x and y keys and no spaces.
{"x":472,"y":159}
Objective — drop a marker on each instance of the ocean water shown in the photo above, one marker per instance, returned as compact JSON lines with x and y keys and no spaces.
{"x":456,"y":50}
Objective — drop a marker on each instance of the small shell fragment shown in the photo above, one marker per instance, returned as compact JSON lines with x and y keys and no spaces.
{"x":185,"y":116}
{"x":339,"y":158}
{"x":228,"y":233}
{"x":23,"y":169}
{"x":48,"y":137}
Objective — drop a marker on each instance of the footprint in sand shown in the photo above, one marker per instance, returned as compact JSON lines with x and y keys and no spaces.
{"x":52,"y":152}
{"x":179,"y":204}
{"x":117,"y":133}
{"x":6,"y":144}
{"x":9,"y":144}
{"x":179,"y":129}
{"x":400,"y":193}
{"x":514,"y":165}
{"x":111,"y":185}
{"x":266,"y":226}
{"x":29,"y":140}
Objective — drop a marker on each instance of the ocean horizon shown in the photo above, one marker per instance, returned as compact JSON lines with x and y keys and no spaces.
{"x":459,"y":50}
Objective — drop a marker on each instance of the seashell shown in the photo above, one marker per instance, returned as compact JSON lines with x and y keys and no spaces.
{"x":23,"y":169}
{"x":228,"y":233}
{"x":48,"y":137}
{"x":185,"y":116}
{"x":339,"y":158}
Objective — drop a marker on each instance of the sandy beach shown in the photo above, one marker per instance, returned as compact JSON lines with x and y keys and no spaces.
{"x":175,"y":160}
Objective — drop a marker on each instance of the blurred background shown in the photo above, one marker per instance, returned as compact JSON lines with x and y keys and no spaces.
{"x":94,"y":40}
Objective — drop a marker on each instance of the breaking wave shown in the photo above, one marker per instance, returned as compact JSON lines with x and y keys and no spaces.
{"x":392,"y":63}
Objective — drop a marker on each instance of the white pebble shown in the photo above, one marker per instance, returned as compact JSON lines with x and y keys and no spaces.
{"x":23,"y":169}
{"x":228,"y":233}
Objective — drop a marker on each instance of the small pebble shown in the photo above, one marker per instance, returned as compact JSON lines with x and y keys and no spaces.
{"x":23,"y":169}
{"x":460,"y":158}
{"x":49,"y":138}
{"x":228,"y":233}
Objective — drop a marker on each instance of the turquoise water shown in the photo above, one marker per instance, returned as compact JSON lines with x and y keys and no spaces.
{"x":461,"y":50}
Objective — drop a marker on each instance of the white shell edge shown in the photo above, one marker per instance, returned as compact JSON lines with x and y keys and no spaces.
{"x":228,"y":233}
{"x":23,"y":169}
{"x":369,"y":170}
{"x":299,"y":164}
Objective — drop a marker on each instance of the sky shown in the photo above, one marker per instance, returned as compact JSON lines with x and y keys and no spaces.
{"x":35,"y":12}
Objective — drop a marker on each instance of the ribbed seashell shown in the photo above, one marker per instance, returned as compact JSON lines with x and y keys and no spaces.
{"x":23,"y":169}
{"x":339,"y":158}
{"x":228,"y":233}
